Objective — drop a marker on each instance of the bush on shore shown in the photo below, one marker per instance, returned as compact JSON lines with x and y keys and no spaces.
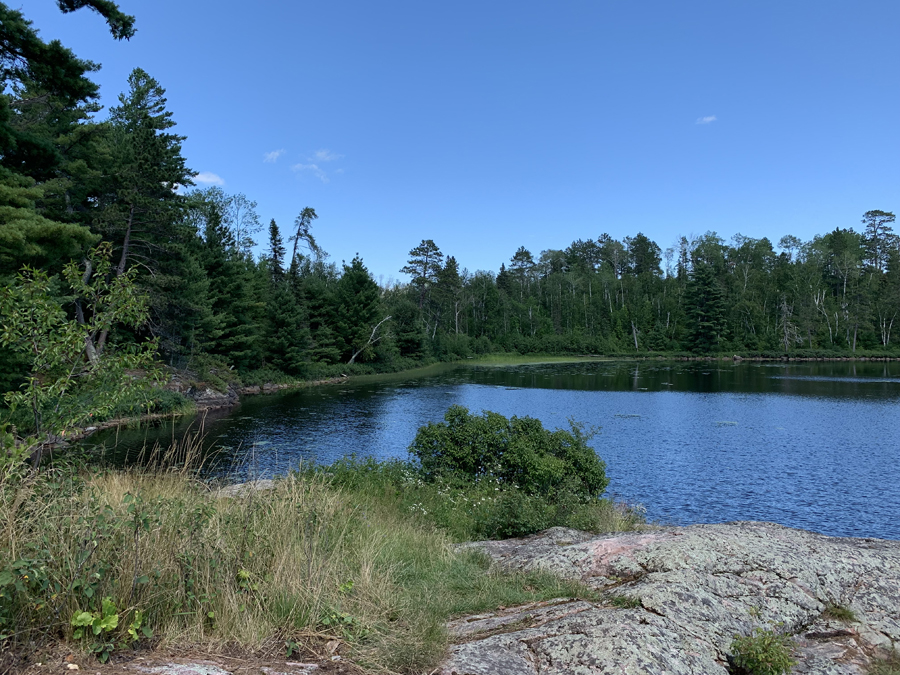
{"x":489,"y":477}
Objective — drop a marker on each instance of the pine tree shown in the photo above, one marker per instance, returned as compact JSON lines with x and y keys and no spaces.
{"x":357,"y":297}
{"x":275,"y":258}
{"x":287,"y":340}
{"x":705,"y":309}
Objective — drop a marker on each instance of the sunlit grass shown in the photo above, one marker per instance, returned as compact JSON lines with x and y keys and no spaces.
{"x":287,"y":569}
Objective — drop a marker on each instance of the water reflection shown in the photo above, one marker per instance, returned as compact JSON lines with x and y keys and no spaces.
{"x":805,"y":444}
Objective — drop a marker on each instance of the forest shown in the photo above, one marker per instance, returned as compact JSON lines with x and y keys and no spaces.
{"x":225,"y":292}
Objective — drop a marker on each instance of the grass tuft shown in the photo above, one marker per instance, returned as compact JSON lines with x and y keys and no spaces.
{"x":763,"y":652}
{"x":839,"y":613}
{"x":888,"y":665}
{"x":623,"y":601}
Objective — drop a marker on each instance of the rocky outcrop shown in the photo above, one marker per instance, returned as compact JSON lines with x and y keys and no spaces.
{"x":675,"y":598}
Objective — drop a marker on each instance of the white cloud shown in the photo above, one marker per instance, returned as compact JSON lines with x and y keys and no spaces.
{"x":209,"y":178}
{"x":327,"y":155}
{"x":706,"y":120}
{"x":321,"y":175}
{"x":273,"y":156}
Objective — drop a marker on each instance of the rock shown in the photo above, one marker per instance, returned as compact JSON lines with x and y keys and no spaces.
{"x":246,"y":489}
{"x":698,"y":588}
{"x":207,"y":397}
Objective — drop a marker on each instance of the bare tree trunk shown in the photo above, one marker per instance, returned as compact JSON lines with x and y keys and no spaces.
{"x":89,"y":347}
{"x":120,"y":270}
{"x":372,"y":340}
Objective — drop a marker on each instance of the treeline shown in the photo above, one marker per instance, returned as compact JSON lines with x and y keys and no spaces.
{"x":70,"y":181}
{"x":838,"y":293}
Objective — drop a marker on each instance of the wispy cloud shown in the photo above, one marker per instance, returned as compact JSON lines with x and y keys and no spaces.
{"x":273,"y":156}
{"x":325,"y":155}
{"x":209,"y":178}
{"x":709,"y":119}
{"x":321,"y":175}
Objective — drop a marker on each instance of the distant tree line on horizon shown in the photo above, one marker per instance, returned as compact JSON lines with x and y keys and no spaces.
{"x":69,"y":181}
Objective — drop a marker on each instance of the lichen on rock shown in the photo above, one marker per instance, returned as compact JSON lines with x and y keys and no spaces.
{"x":698,"y":587}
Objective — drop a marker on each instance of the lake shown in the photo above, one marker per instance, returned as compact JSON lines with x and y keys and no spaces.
{"x":809,"y":445}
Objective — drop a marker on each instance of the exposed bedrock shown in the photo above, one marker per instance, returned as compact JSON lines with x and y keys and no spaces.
{"x":693,"y":589}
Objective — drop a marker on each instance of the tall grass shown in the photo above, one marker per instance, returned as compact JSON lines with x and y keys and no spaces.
{"x":473,"y":510}
{"x":310,"y":561}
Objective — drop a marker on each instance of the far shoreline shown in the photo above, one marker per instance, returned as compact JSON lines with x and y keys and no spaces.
{"x":206,"y":398}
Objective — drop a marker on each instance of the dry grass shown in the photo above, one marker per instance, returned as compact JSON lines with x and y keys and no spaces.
{"x":288,"y":568}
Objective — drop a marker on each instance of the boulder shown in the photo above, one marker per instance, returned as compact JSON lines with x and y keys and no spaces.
{"x":675,"y":598}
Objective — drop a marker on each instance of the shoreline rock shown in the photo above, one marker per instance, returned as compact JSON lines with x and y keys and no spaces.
{"x":693,"y":589}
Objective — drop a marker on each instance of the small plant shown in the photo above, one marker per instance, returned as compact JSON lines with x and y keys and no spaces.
{"x":98,"y":625}
{"x":763,"y":652}
{"x":343,"y":624}
{"x":839,"y":613}
{"x":137,"y":624}
{"x":624,"y":601}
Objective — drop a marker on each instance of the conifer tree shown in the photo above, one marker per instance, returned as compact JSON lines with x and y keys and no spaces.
{"x":357,"y":297}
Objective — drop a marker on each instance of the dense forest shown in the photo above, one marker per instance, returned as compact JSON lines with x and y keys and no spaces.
{"x":225,"y":291}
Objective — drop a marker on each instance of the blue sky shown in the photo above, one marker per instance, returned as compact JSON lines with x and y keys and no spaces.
{"x":492,"y":125}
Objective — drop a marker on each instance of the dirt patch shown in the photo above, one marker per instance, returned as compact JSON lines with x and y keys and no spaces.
{"x":59,"y":659}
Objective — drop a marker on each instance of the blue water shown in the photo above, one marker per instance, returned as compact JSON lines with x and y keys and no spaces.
{"x":814,"y":446}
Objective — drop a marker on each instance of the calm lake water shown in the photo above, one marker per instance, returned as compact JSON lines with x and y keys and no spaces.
{"x":810,"y":445}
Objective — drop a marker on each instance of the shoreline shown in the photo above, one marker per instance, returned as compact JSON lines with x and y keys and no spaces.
{"x":205,"y":398}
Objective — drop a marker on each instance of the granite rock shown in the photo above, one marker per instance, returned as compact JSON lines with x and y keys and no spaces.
{"x":697,"y":587}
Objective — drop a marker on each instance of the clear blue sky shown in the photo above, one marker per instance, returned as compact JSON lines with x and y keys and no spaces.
{"x":491,"y":125}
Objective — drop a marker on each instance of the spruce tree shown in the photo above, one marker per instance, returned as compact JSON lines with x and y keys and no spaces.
{"x":705,"y":301}
{"x":357,"y":298}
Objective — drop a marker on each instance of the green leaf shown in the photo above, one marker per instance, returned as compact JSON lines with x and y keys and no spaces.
{"x":109,"y":622}
{"x":108,"y":607}
{"x":143,"y":579}
{"x":83,"y":619}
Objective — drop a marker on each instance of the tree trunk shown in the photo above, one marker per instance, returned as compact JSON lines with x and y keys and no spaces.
{"x":372,"y":340}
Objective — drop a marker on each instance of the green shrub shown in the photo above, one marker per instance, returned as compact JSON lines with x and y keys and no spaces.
{"x":518,"y":453}
{"x":763,"y":652}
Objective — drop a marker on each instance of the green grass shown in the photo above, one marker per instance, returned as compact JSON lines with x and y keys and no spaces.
{"x":888,"y":665}
{"x":839,"y":613}
{"x":312,"y":560}
{"x":623,"y":601}
{"x":514,"y":359}
{"x":467,"y":511}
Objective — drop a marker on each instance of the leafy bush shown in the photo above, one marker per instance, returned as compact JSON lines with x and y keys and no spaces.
{"x":518,"y":453}
{"x":763,"y":652}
